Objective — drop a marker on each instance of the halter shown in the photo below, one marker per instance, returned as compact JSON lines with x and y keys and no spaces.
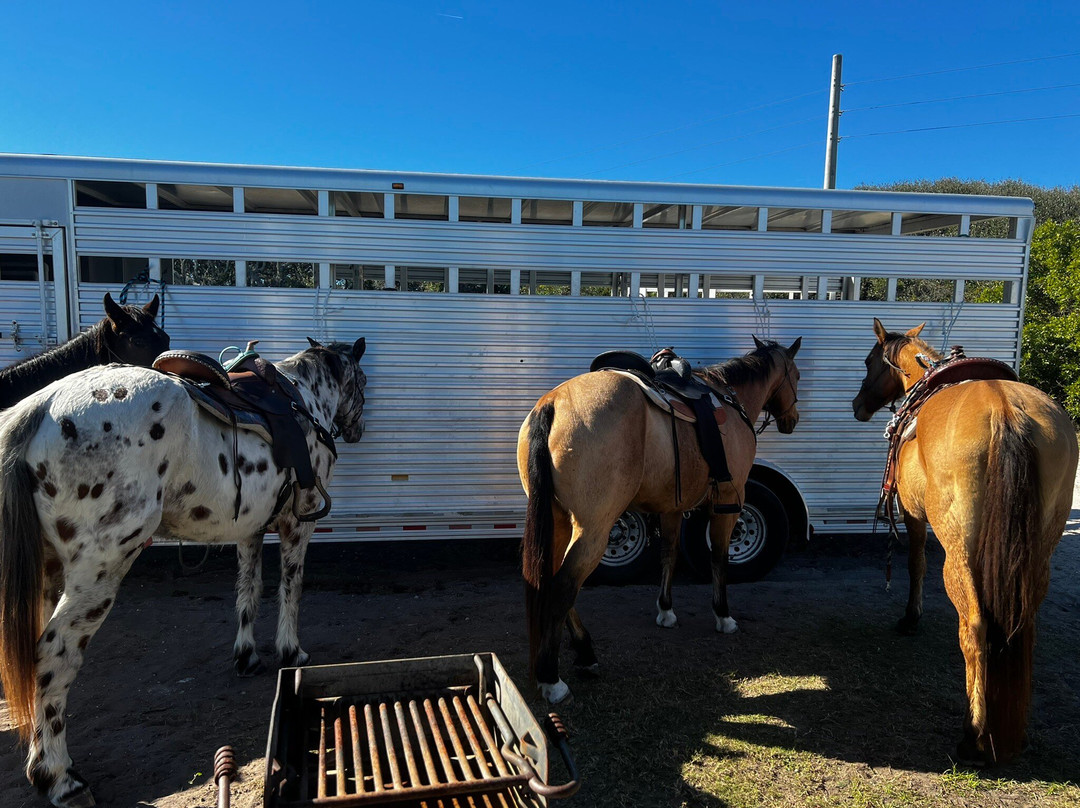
{"x":354,"y":414}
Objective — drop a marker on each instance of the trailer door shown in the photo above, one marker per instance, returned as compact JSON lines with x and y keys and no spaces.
{"x":32,"y":318}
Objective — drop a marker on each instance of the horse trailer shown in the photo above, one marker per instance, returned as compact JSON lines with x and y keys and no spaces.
{"x":478,"y":294}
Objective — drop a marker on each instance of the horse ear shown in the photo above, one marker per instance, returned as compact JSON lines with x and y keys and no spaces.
{"x":358,"y":348}
{"x":116,"y":314}
{"x":914,"y":332}
{"x":757,"y":342}
{"x":879,"y":329}
{"x":151,"y":308}
{"x":314,"y":342}
{"x":794,"y":348}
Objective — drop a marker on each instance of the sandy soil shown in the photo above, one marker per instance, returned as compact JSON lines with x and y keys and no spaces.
{"x":157,"y":695}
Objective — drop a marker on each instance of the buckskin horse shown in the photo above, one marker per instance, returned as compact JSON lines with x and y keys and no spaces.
{"x":97,"y":463}
{"x":127,"y":335}
{"x":989,"y":464}
{"x":594,"y":447}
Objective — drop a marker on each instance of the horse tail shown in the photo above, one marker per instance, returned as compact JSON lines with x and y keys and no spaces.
{"x":1007,"y":578}
{"x":21,"y":565}
{"x":536,"y":543}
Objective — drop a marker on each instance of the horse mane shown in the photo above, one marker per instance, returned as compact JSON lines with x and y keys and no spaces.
{"x":742,"y":369}
{"x":900,"y":340}
{"x":32,"y":373}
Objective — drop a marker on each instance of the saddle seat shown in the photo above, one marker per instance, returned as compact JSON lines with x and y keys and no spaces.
{"x":252,"y":395}
{"x":668,"y":384}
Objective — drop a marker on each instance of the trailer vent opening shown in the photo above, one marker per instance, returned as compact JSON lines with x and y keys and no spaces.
{"x":195,"y":197}
{"x":96,"y":194}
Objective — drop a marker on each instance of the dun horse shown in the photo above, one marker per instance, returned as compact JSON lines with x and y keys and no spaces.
{"x":96,"y":464}
{"x":127,"y":335}
{"x":991,"y":468}
{"x":594,"y":447}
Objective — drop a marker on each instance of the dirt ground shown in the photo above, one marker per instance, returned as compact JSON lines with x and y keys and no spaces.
{"x":157,"y":695}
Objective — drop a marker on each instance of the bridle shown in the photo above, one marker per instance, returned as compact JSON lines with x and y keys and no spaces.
{"x":770,"y":417}
{"x":356,"y":411}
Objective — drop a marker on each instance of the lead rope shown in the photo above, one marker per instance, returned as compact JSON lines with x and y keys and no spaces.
{"x":143,"y":279}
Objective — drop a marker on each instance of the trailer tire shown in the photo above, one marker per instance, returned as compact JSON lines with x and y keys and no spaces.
{"x":757,"y":542}
{"x":633,"y":551}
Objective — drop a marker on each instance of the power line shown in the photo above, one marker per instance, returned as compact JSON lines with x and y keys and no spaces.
{"x":701,"y":146}
{"x":963,"y":125}
{"x":744,"y":159}
{"x":962,"y":97}
{"x":962,"y":69}
{"x":673,"y":129}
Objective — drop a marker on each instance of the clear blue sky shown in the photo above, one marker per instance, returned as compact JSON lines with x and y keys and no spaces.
{"x":671,"y":90}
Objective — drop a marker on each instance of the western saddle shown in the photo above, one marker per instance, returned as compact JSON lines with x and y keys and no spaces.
{"x":668,"y":384}
{"x":251,"y":394}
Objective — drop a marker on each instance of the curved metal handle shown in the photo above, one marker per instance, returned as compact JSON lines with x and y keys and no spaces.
{"x":555,"y":730}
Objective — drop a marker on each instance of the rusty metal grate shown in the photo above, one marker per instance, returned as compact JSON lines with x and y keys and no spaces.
{"x":376,"y":750}
{"x":437,"y":732}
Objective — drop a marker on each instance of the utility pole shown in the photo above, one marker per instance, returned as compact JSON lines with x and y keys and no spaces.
{"x":833,"y":136}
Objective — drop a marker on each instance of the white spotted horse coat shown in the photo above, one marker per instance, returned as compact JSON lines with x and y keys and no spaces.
{"x":97,"y":463}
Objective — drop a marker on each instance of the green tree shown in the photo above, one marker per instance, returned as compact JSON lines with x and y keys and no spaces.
{"x":1051,"y":354}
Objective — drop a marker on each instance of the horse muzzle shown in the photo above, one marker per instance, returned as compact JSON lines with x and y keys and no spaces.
{"x":353,"y":432}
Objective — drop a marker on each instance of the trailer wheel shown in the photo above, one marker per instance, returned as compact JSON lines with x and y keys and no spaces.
{"x":632,"y":551}
{"x":757,"y":542}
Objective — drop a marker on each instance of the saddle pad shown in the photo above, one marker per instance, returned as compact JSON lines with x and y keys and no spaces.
{"x":248,"y":421}
{"x":669,"y":403}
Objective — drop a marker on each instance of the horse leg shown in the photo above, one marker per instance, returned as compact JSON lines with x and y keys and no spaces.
{"x":720,"y":528}
{"x":916,"y":531}
{"x":294,"y":537}
{"x":586,"y":549}
{"x":585,"y":657}
{"x":960,"y":586}
{"x":670,"y":524}
{"x":90,"y":587}
{"x":248,"y":591}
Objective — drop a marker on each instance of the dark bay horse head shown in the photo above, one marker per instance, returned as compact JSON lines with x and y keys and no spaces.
{"x":885,"y":380}
{"x":129,"y":334}
{"x":344,"y":364}
{"x":782,"y":404}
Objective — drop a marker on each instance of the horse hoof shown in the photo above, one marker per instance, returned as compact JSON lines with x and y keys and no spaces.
{"x":726,"y":625}
{"x":248,"y":664}
{"x":78,"y":797}
{"x":666,"y":618}
{"x":557,"y":693}
{"x":588,"y":671}
{"x":967,"y":754}
{"x":907,"y":626}
{"x":295,"y":659}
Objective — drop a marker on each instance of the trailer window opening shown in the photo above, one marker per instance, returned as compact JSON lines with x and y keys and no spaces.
{"x":195,"y":197}
{"x":281,"y":274}
{"x":198,"y":272}
{"x":291,"y":201}
{"x":984,"y":291}
{"x":422,"y":206}
{"x":106,"y":269}
{"x":924,"y":290}
{"x":484,"y":209}
{"x":100,"y":194}
{"x":421,"y":279}
{"x":794,"y":220}
{"x":930,"y":224}
{"x":874,"y":289}
{"x":547,"y":211}
{"x":358,"y":204}
{"x":367,"y":277}
{"x":876,"y":222}
{"x":727,"y":217}
{"x":607,"y":214}
{"x":484,"y":282}
{"x":670,"y":217}
{"x":23,"y":267}
{"x":993,"y":226}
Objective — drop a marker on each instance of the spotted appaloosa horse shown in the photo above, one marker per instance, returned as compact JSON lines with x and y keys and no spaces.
{"x":97,"y":463}
{"x":128,"y":335}
{"x":991,"y":468}
{"x":594,"y":447}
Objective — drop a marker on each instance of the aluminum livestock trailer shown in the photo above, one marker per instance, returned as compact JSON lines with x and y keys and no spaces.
{"x":477,"y":294}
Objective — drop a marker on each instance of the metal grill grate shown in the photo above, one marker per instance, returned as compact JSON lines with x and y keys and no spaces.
{"x":408,"y":749}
